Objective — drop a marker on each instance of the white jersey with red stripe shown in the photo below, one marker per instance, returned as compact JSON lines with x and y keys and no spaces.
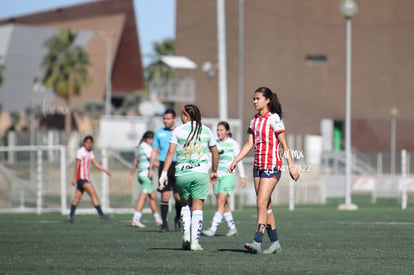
{"x":266,"y":145}
{"x":85,"y":158}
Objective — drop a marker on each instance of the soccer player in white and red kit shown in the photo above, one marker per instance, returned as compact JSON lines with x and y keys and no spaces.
{"x":266,"y":135}
{"x":84,"y":157}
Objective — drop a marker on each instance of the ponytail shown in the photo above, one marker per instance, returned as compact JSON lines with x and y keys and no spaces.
{"x":274,"y":105}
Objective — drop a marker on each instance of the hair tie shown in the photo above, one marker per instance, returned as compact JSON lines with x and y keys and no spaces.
{"x":186,"y":113}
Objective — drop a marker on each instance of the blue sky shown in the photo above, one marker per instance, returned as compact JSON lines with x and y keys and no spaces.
{"x":155,"y":18}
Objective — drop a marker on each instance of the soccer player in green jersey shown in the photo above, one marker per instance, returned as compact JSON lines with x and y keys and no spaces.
{"x":191,"y":142}
{"x":228,"y":149}
{"x":141,"y":164}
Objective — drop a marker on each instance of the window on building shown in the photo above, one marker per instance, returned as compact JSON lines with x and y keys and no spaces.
{"x":316,"y":59}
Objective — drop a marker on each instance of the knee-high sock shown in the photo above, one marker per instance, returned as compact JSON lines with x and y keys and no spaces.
{"x":186,"y":219}
{"x":196,"y":225}
{"x":178,"y":207}
{"x":164,"y":212}
{"x":229,"y":219}
{"x":216,"y":221}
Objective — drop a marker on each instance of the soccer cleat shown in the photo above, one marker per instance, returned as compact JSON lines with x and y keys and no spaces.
{"x":104,"y":218}
{"x":158,"y":222}
{"x":273,"y":248}
{"x":164,"y":228}
{"x":209,"y":232}
{"x":71,"y":219}
{"x":196,"y":247}
{"x":186,"y":242}
{"x":137,"y":223}
{"x":253,"y":247}
{"x":232,"y":232}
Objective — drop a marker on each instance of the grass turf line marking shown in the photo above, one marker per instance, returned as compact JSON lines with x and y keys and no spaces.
{"x":376,"y":223}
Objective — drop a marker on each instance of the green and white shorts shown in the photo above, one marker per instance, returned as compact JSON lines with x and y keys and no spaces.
{"x":193,"y":185}
{"x":147,"y":186}
{"x":225,"y":185}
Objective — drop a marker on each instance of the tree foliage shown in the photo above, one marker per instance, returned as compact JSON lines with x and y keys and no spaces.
{"x":66,"y":65}
{"x":157,"y":71}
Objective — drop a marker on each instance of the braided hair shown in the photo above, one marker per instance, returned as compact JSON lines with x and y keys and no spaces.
{"x":194,"y":113}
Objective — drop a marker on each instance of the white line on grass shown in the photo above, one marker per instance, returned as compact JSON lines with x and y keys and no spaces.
{"x":376,"y":223}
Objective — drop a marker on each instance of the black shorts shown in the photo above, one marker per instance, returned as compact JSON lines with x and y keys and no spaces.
{"x":80,"y":183}
{"x":171,"y":177}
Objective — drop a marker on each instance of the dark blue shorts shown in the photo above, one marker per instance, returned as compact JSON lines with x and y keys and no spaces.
{"x":80,"y":184}
{"x":267,"y":173}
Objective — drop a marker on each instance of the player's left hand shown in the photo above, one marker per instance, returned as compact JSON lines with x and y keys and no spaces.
{"x":232,"y":166}
{"x":213,"y":177}
{"x":294,"y":174}
{"x":243,"y":182}
{"x":163,"y":180}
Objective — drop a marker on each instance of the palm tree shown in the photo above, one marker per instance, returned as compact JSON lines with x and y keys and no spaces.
{"x":66,"y":68}
{"x":157,"y":72}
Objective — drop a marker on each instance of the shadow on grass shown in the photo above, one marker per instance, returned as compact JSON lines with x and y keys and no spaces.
{"x":168,"y":248}
{"x":235,"y":250}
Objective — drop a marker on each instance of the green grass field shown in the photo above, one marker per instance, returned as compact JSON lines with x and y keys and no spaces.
{"x":376,"y":239}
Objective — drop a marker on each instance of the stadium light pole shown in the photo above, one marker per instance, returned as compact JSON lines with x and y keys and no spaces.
{"x":222,"y":72}
{"x":241,"y":63}
{"x":348,"y":9}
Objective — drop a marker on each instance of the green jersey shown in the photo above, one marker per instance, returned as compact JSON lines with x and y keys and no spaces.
{"x":228,"y":150}
{"x":143,"y":154}
{"x":194,"y":157}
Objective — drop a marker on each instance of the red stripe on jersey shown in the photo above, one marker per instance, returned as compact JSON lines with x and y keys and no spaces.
{"x":85,"y":158}
{"x":267,"y":153}
{"x":79,"y":170}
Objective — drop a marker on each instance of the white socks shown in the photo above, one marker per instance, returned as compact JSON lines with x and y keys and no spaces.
{"x":229,"y":219}
{"x":196,"y":225}
{"x":192,"y":223}
{"x":137,"y":215}
{"x":186,"y":219}
{"x":157,"y":218}
{"x":216,"y":221}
